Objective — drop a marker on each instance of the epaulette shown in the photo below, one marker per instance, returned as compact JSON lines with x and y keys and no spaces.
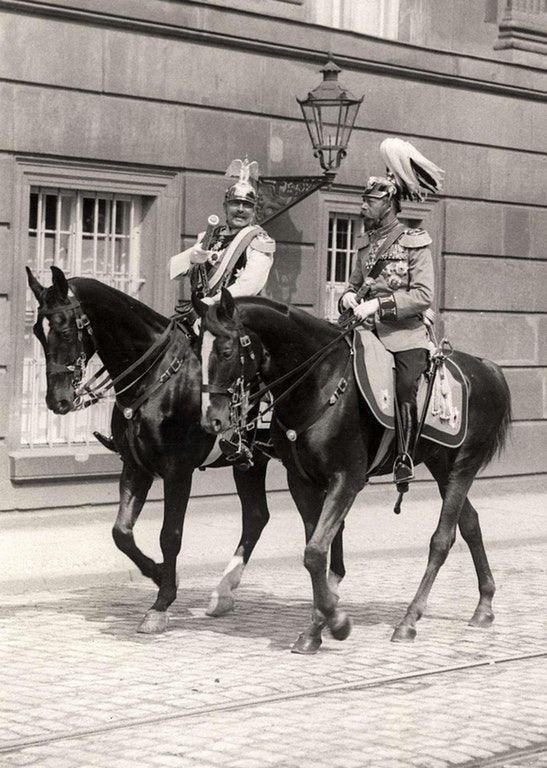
{"x":263,"y":243}
{"x":415,"y":238}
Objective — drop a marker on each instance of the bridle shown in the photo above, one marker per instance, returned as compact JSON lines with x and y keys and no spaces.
{"x":101,"y":384}
{"x":240,"y":391}
{"x":77,"y":368}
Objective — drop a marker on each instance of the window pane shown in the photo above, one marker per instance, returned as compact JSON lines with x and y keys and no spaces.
{"x":50,"y":210}
{"x":33,"y":211}
{"x":342,"y":229}
{"x":88,"y":216}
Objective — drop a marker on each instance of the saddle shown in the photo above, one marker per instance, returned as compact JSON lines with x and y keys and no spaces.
{"x":446,"y":419}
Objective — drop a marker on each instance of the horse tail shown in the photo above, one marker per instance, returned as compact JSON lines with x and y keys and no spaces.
{"x":501,"y":388}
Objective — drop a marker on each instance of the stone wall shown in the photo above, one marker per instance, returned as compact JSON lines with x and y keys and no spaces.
{"x":181,"y":88}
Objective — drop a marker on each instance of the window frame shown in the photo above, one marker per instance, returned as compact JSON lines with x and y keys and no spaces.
{"x":161,"y":191}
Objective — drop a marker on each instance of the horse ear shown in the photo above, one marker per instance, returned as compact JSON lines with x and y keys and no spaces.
{"x":34,"y":285}
{"x":227,"y":305}
{"x":59,"y":282}
{"x":199,"y":306}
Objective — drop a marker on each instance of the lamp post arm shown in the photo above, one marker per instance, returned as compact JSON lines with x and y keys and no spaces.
{"x":277,"y":194}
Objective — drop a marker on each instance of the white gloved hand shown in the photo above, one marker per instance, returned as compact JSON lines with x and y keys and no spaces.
{"x":198,"y":255}
{"x":366,"y":308}
{"x":349,"y":301}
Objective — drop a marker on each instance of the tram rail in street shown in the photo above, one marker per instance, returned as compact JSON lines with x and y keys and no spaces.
{"x":495,"y":761}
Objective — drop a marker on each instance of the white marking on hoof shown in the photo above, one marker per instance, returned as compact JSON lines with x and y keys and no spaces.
{"x":154,"y":622}
{"x":219,"y":605}
{"x":222,"y":599}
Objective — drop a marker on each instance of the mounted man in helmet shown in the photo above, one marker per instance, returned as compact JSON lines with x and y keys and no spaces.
{"x":391,"y":286}
{"x":237,"y":255}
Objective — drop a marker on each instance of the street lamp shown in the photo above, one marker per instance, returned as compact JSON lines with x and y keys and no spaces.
{"x":330,"y":111}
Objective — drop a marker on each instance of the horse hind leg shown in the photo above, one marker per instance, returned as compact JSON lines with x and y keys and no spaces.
{"x":134,"y":487}
{"x":251,"y":488}
{"x":471,"y":533}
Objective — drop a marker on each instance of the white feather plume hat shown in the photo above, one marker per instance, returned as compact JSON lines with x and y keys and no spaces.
{"x":411,"y":172}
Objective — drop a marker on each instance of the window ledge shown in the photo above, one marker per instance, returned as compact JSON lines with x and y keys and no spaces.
{"x":28,"y":464}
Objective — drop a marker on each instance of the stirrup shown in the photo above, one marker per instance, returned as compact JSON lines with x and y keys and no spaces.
{"x":403,"y":469}
{"x":238,"y":453}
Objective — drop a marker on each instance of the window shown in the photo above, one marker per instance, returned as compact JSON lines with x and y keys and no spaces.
{"x":340,"y":255}
{"x":369,"y":17}
{"x":92,"y":234}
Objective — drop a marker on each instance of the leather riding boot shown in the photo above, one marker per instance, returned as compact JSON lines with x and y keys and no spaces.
{"x":403,"y":467}
{"x":108,"y":442}
{"x":237,"y":452}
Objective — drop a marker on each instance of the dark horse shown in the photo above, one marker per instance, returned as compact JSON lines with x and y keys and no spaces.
{"x":160,"y":436}
{"x":327,"y":449}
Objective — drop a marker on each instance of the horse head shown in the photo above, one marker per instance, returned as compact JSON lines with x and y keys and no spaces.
{"x":231,"y":358}
{"x":67,"y":345}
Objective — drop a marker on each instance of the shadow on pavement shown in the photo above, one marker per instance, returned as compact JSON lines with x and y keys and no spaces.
{"x":258,"y":614}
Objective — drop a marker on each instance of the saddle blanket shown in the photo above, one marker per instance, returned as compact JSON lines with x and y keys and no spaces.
{"x":446,"y":420}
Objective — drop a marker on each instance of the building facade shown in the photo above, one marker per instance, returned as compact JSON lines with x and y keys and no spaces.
{"x":118,"y":120}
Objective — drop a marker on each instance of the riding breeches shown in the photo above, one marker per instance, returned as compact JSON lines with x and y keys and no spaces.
{"x":410,"y":364}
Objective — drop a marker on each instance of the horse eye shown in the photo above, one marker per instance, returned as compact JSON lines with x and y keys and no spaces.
{"x":226,"y":353}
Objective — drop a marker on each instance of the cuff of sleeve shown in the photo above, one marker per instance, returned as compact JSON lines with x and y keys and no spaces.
{"x":388,"y":308}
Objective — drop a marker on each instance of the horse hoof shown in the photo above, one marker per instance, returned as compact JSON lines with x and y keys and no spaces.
{"x":219,"y":605}
{"x":154,"y":623}
{"x":307,"y":644}
{"x":481,"y":619}
{"x":340,"y":628}
{"x":403,"y":634}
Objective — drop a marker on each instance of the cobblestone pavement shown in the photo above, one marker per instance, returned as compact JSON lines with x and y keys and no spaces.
{"x":79,"y":687}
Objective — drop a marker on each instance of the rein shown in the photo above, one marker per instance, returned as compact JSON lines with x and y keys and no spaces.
{"x":308,"y":366}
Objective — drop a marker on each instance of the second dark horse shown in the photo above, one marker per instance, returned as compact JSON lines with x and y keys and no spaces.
{"x":328,"y":441}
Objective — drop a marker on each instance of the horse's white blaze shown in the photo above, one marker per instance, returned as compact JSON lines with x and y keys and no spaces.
{"x":206,"y":349}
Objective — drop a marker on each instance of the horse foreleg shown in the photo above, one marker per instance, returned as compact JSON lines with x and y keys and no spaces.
{"x":336,"y":504}
{"x":251,"y":488}
{"x":177,"y":485}
{"x":471,"y":533}
{"x":439,"y":547}
{"x":134,"y":487}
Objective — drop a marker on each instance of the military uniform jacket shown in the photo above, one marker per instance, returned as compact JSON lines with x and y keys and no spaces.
{"x":248,"y":275}
{"x":404,"y":288}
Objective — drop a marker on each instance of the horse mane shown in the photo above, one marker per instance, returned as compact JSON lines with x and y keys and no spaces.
{"x":97,"y":293}
{"x":316,"y":327}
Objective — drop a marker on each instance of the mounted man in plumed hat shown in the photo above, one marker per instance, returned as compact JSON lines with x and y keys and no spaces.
{"x":391,"y":286}
{"x":237,"y":255}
